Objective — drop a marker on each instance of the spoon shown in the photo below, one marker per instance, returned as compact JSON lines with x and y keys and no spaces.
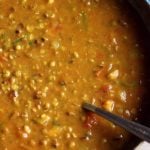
{"x":135,"y":128}
{"x":143,"y":9}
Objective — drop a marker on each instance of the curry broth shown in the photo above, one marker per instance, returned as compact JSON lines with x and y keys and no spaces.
{"x":56,"y":54}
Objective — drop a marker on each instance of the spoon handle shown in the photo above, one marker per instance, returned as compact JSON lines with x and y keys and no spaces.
{"x":143,"y":8}
{"x":137,"y":129}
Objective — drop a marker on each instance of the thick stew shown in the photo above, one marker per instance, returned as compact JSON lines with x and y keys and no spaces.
{"x":57,"y":54}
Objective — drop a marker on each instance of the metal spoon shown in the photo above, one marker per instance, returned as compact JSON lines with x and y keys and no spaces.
{"x":143,"y":9}
{"x":137,"y":129}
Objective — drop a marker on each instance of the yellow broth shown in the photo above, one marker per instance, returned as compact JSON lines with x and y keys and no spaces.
{"x":57,"y":54}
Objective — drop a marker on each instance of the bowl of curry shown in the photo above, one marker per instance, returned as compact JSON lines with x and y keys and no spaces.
{"x":57,"y":54}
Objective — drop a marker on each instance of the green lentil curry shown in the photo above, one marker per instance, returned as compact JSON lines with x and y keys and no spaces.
{"x":57,"y":54}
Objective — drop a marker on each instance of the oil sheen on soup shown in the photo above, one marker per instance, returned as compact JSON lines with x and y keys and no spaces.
{"x":57,"y":54}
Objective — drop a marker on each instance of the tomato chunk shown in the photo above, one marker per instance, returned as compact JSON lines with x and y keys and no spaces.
{"x":90,"y":120}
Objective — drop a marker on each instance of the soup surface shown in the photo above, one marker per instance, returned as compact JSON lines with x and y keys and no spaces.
{"x":57,"y":54}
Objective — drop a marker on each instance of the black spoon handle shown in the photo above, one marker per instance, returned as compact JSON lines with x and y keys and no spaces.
{"x":143,"y":8}
{"x":137,"y":129}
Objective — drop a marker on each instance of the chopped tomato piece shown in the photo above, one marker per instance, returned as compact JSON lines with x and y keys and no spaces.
{"x":90,"y":120}
{"x":106,"y":88}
